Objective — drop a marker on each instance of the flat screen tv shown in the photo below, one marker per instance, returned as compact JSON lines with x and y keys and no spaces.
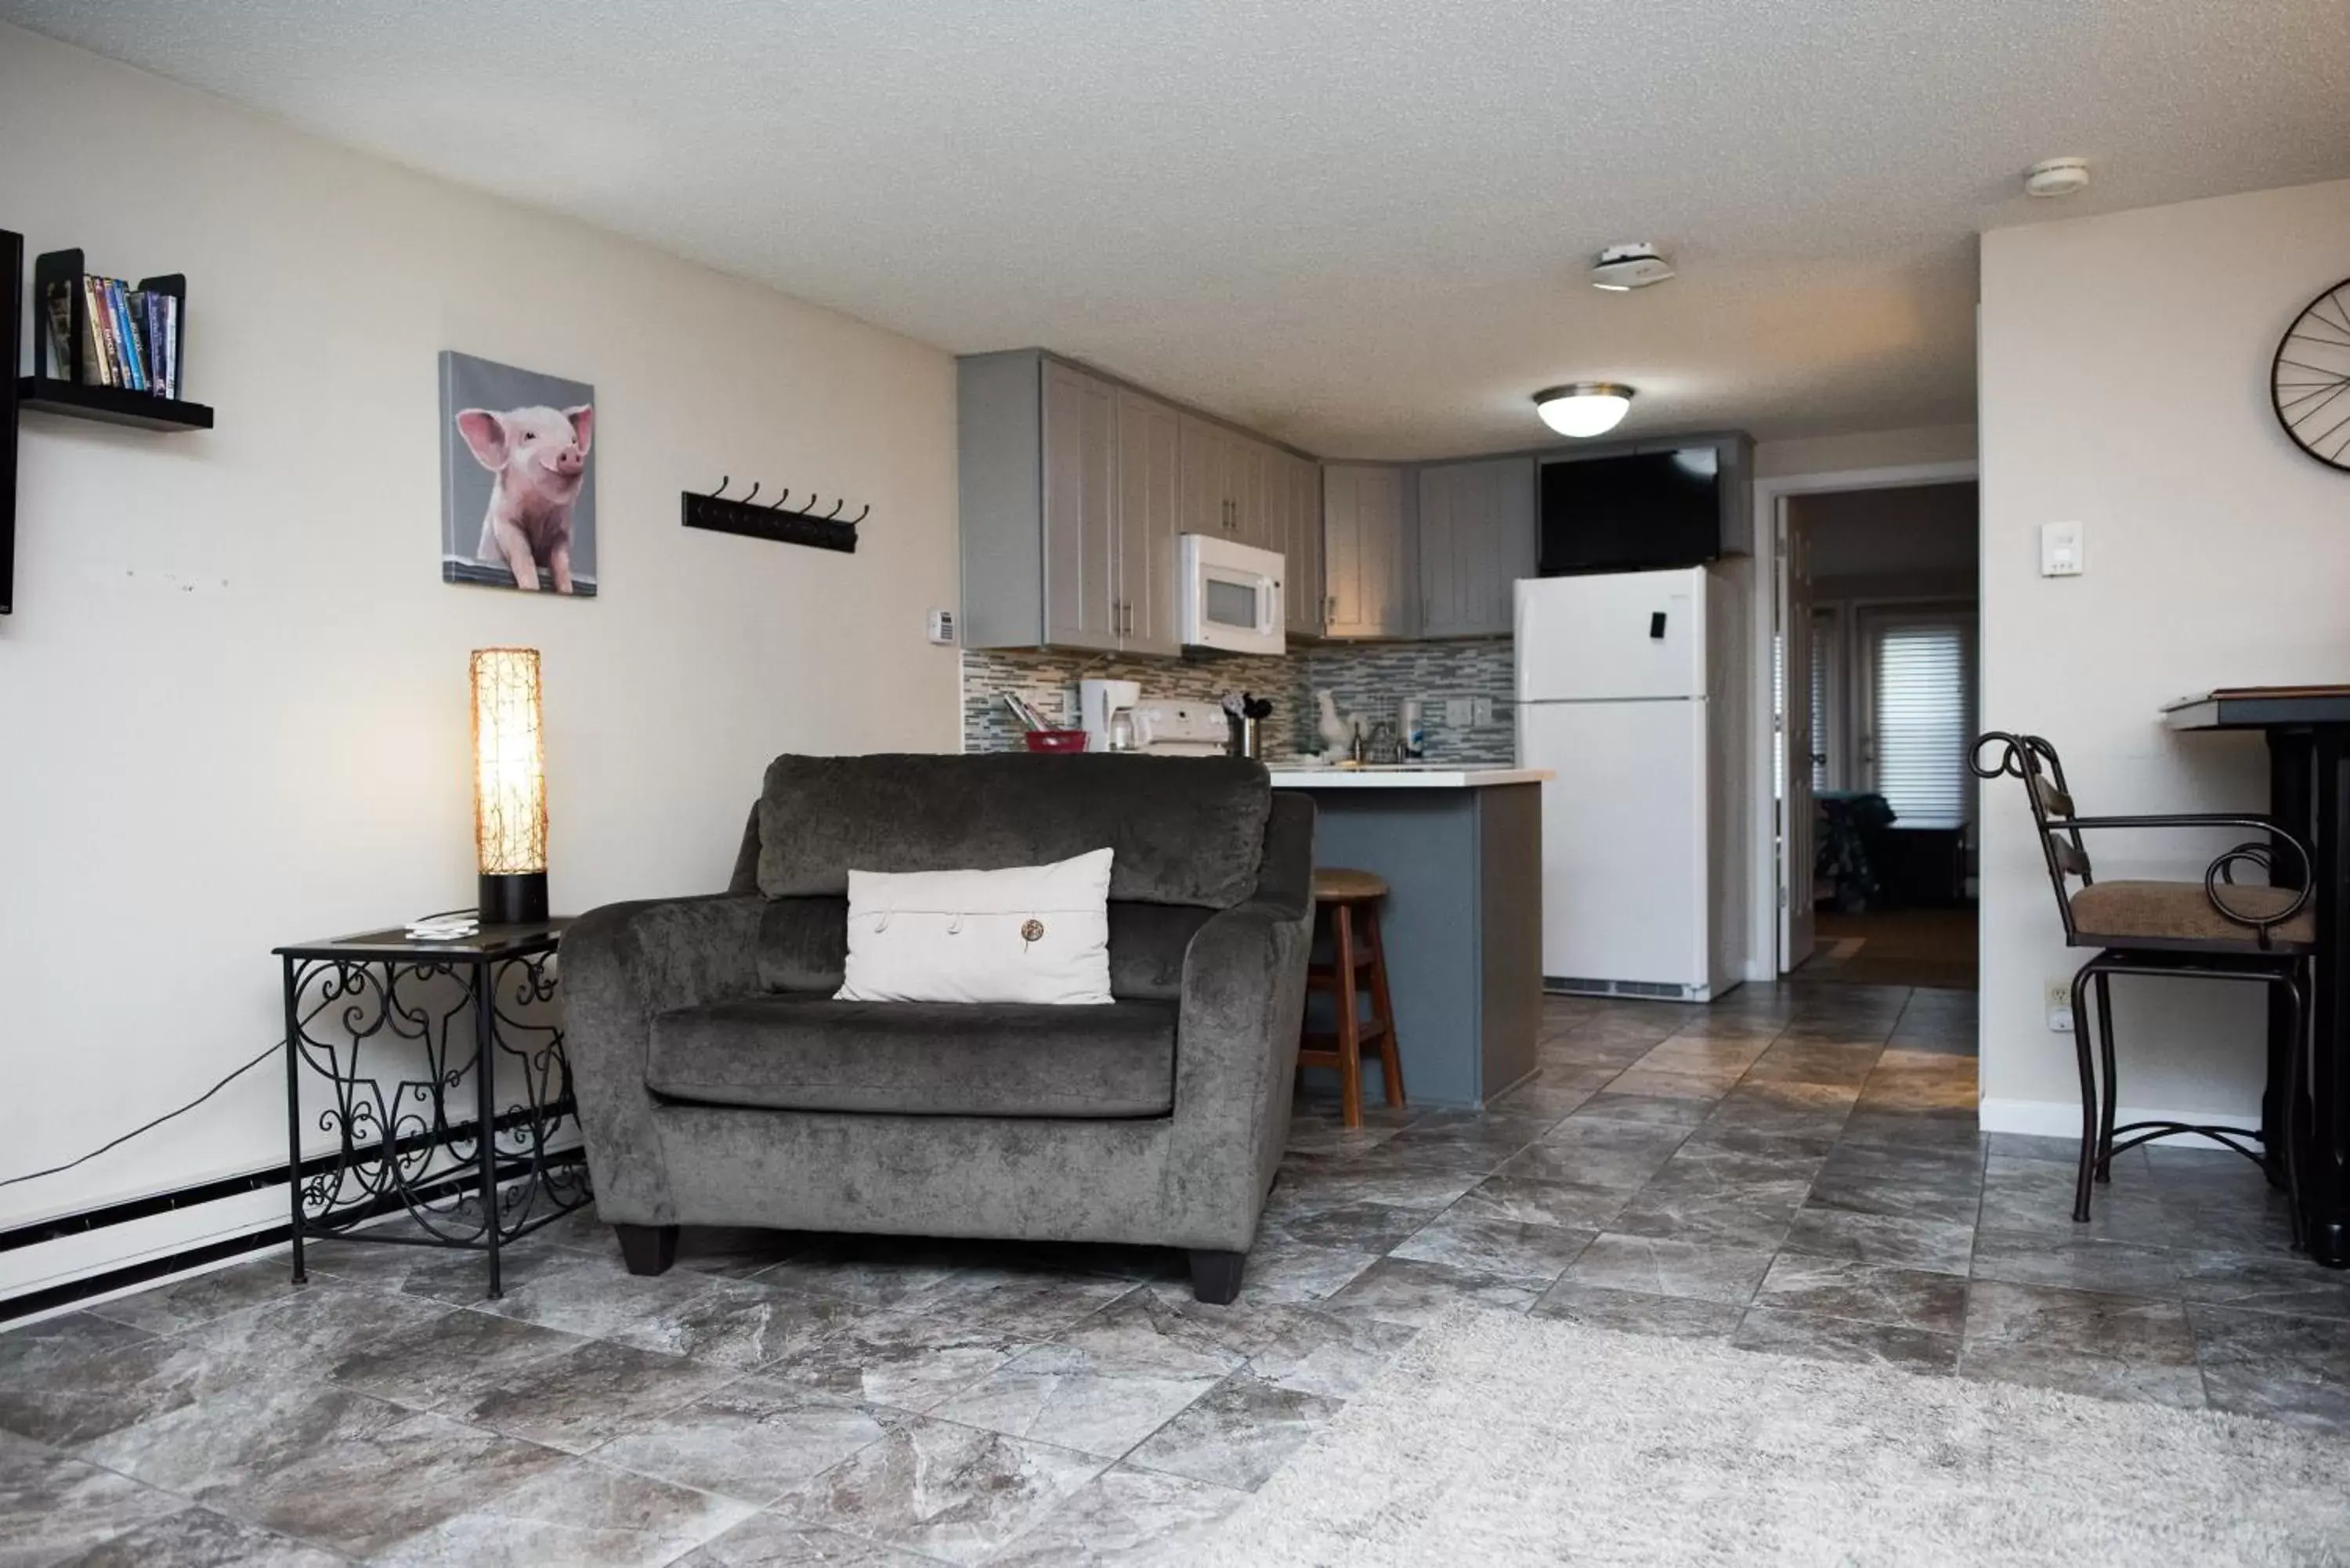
{"x":1648,"y":512}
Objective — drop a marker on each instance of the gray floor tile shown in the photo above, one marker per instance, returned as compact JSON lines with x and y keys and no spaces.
{"x":1664,"y":1267}
{"x":584,"y":1397}
{"x":1403,"y":1291}
{"x":753,"y":1439}
{"x":1350,"y":1226}
{"x":53,"y":1506}
{"x":1237,"y":1435}
{"x":1126,"y":1518}
{"x":875,"y":1270}
{"x":2077,"y":1263}
{"x":1592,"y":1151}
{"x":1331,"y":1354}
{"x":731,"y":1322}
{"x":2111,"y":1347}
{"x":309,"y":1331}
{"x":2262,"y":1281}
{"x":199,"y":1537}
{"x":1638,"y":1312}
{"x":451,"y":1359}
{"x":1900,"y":1298}
{"x":338,"y":1468}
{"x":1662,"y":1110}
{"x":580,"y":1514}
{"x":945,"y":1491}
{"x":453,"y":1276}
{"x":34,"y":1350}
{"x":1569,"y":1205}
{"x":168,"y":1309}
{"x":1092,"y":1399}
{"x":1509,"y":1248}
{"x":67,"y":1400}
{"x":898,"y":1359}
{"x":2288,"y":1369}
{"x":1298,"y":1274}
{"x":1941,"y":1246}
{"x":773,"y":1540}
{"x":1031,"y":1304}
{"x":1817,"y":1336}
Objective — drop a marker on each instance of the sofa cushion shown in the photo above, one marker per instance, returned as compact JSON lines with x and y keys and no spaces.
{"x":807,"y":1052}
{"x":1187,"y":830}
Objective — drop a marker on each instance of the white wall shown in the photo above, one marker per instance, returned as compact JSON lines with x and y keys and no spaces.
{"x":233,"y":695}
{"x":2123,"y":374}
{"x":1863,"y":449}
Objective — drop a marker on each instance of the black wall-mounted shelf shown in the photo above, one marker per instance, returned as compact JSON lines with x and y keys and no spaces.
{"x":61,"y":388}
{"x":111,"y":405}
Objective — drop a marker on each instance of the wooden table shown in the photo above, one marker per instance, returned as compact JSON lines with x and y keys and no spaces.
{"x":2308,"y":733}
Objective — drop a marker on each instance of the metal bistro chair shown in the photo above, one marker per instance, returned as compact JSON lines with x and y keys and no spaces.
{"x":2248,"y":932}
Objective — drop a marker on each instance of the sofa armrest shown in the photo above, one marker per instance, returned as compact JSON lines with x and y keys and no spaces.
{"x":623,"y":964}
{"x":1243,"y":1001}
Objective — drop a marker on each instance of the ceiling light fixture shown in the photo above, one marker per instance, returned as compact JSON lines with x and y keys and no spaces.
{"x":1583,"y":408}
{"x":2056,"y":177}
{"x":1623,"y":268}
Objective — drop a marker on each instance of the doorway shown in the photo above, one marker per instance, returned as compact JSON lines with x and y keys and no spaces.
{"x":1872,"y":666}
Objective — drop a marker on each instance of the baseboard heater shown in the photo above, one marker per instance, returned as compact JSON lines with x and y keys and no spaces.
{"x":1647,"y":989}
{"x":58,"y":1227}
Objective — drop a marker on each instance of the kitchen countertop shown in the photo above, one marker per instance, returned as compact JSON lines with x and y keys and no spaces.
{"x":1407,"y":775}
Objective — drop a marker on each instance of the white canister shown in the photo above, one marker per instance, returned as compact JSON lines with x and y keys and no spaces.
{"x":1413,"y":734}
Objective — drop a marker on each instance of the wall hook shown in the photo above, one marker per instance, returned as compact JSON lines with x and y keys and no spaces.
{"x":720,"y":494}
{"x":779,"y":499}
{"x":754,"y":495}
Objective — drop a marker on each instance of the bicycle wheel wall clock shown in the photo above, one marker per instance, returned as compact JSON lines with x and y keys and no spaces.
{"x":2310,"y":381}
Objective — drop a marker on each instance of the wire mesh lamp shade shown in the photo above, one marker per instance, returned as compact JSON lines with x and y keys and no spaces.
{"x":509,"y":785}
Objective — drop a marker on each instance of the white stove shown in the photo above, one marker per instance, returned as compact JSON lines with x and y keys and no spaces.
{"x":1166,"y":728}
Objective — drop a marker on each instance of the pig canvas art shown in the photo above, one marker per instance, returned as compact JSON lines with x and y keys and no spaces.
{"x":518,"y":478}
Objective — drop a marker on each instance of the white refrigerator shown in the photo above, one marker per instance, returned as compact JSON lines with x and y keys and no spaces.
{"x":1631,"y":689}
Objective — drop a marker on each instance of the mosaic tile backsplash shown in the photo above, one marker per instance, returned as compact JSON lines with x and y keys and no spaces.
{"x":1369,"y":679}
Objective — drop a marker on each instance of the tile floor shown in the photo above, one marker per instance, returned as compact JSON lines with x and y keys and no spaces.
{"x":1796,"y":1171}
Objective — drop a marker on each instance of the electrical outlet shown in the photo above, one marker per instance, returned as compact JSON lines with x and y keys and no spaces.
{"x":2060,"y":1006}
{"x":1458,"y":712}
{"x":1481,"y":710}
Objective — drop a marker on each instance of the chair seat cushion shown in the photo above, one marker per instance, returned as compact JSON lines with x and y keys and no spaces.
{"x":2118,"y":914}
{"x":801,"y":1052}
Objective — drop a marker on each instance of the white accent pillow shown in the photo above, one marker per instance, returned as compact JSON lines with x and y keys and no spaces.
{"x":1028,"y":933}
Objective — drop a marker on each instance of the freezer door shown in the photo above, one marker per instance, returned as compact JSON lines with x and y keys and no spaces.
{"x":1624,"y":863}
{"x":1627,"y":635}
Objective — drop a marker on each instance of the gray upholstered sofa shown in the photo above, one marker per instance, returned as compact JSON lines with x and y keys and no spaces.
{"x":719,"y":1084}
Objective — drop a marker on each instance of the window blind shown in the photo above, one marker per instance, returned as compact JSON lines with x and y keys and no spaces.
{"x":1923,"y":719}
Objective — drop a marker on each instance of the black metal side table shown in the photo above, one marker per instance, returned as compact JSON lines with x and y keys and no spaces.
{"x":469,"y":1174}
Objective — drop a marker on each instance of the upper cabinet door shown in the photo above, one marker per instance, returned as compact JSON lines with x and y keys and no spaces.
{"x":1308,"y":586}
{"x":1366,"y":555}
{"x":1476,"y":539}
{"x":1150,"y":489}
{"x":1207,"y":484}
{"x":1259,"y":500}
{"x":1080,"y":466}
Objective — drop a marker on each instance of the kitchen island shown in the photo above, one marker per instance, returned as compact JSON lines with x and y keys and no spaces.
{"x":1461,"y":850}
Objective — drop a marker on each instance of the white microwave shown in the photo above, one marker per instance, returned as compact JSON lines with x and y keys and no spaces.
{"x":1232,"y":595}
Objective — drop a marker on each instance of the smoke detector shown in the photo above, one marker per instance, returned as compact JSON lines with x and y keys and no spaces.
{"x":1621,"y":268}
{"x":2056,"y":177}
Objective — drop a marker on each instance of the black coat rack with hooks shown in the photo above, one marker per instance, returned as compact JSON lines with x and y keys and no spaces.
{"x":786,"y":524}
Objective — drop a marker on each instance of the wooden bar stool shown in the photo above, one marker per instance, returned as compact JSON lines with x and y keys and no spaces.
{"x":1347,"y":906}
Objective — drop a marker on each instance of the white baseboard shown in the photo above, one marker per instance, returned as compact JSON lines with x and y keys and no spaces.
{"x":2062,"y":1119}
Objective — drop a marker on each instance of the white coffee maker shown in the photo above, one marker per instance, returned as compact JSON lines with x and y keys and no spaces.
{"x":1106,"y":714}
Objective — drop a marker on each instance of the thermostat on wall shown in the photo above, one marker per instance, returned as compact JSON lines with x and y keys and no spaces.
{"x":2060,"y":550}
{"x":942,"y":627}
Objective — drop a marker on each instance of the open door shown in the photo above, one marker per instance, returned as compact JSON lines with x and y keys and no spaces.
{"x":1797,"y":928}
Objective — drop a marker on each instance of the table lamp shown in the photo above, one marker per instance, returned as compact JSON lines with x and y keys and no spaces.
{"x":509,"y":786}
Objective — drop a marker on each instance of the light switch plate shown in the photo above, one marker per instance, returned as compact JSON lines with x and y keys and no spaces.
{"x":2060,"y":1006}
{"x":2060,"y":550}
{"x":1480,"y":710}
{"x":1458,"y":712}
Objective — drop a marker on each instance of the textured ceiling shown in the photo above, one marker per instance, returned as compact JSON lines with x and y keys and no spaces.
{"x":1358,"y":226}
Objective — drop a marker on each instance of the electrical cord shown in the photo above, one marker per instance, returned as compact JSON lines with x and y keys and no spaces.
{"x":56,"y":1170}
{"x":271,"y":1051}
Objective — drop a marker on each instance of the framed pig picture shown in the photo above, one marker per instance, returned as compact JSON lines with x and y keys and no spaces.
{"x":518,"y":478}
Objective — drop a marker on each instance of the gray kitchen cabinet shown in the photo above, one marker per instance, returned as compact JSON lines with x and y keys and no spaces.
{"x":1308,"y":587}
{"x":1367,"y":554}
{"x":1476,"y":538}
{"x":1150,"y":492}
{"x":1074,"y":489}
{"x":1081,"y":495}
